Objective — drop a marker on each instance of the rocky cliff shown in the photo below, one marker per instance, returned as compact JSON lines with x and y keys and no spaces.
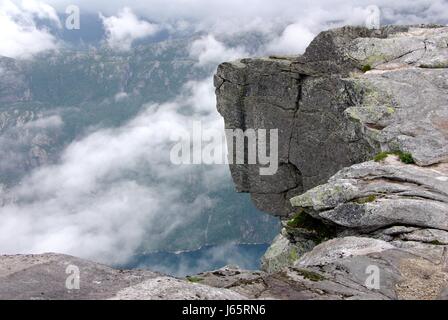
{"x":362,"y":185}
{"x":355,"y":92}
{"x":363,"y":152}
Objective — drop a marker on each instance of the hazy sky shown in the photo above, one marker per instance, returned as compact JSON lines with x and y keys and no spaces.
{"x":291,"y":23}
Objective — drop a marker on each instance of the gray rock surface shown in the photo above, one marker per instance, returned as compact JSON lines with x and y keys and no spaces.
{"x":401,"y":275}
{"x":163,"y":288}
{"x":13,"y":84}
{"x":331,"y":114}
{"x":43,"y":277}
{"x":282,"y":252}
{"x":374,"y":195}
{"x":353,"y":94}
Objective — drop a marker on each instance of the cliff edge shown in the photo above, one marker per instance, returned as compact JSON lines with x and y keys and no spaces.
{"x":362,"y":184}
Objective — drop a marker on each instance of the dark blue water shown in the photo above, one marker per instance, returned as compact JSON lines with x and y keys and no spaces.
{"x":246,"y":256}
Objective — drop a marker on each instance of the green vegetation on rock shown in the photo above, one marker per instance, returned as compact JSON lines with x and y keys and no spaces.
{"x":381,"y":156}
{"x":297,"y":220}
{"x":194,"y":279}
{"x":320,"y":230}
{"x":310,"y":275}
{"x":434,"y":66}
{"x":404,"y":157}
{"x":367,"y":199}
{"x":293,"y":255}
{"x":366,"y":68}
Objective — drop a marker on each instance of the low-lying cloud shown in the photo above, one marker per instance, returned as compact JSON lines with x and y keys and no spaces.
{"x":114,"y":188}
{"x":208,"y":50}
{"x":124,"y":28}
{"x":20,"y":36}
{"x":294,"y":39}
{"x":289,"y":23}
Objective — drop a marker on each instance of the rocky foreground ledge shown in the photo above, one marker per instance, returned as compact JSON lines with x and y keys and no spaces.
{"x":49,"y":276}
{"x":362,"y":185}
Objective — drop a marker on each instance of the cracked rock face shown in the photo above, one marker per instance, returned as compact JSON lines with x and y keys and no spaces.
{"x":357,"y":92}
{"x":374,"y":195}
{"x":331,"y":114}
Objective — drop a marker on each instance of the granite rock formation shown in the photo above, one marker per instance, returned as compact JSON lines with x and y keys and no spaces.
{"x":354,"y":92}
{"x":363,"y":181}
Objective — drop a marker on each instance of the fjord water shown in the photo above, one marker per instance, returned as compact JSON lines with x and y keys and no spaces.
{"x":183,"y":263}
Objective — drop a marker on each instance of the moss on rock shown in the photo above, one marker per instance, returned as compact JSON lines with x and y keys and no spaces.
{"x":317,"y":230}
{"x":365,"y":200}
{"x":404,"y":157}
{"x":194,"y":279}
{"x":366,"y":68}
{"x":310,"y":275}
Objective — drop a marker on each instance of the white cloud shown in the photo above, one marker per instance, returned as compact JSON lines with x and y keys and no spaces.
{"x":20,"y":37}
{"x":294,"y":39}
{"x":208,"y":50}
{"x":41,"y":10}
{"x":90,"y":203}
{"x":54,"y":121}
{"x":200,"y":94}
{"x":125,"y":28}
{"x":120,"y":96}
{"x":289,"y":23}
{"x":258,"y":14}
